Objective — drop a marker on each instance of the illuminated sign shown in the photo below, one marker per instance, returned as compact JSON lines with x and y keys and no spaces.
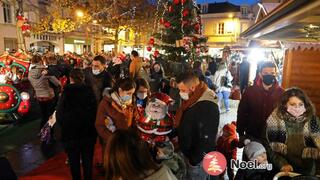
{"x":79,"y":41}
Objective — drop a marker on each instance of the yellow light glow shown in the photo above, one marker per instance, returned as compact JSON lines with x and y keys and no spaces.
{"x":94,"y":21}
{"x":79,"y":13}
{"x":229,"y":26}
{"x":230,"y":15}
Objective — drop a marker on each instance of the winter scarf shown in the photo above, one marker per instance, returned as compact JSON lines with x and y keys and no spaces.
{"x":195,"y":96}
{"x":279,"y":127}
{"x":120,"y":106}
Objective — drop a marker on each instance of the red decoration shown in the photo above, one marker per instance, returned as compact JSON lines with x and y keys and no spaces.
{"x":151,"y":41}
{"x":161,"y":21}
{"x":185,"y":23}
{"x":149,"y":48}
{"x":170,"y":9}
{"x":20,"y":18}
{"x":194,"y":39}
{"x":176,"y":2}
{"x":185,"y":12}
{"x":156,"y":53}
{"x":183,"y":1}
{"x":197,"y":27}
{"x":167,"y":24}
{"x":24,"y":107}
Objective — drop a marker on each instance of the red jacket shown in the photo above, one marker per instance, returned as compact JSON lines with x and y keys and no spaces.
{"x":228,"y":142}
{"x":255,"y":107}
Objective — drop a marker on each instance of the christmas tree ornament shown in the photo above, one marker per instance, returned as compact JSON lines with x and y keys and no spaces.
{"x":162,"y":21}
{"x":167,"y":24}
{"x":176,"y":2}
{"x":185,"y":12}
{"x":170,"y":9}
{"x":149,"y":48}
{"x":156,"y":53}
{"x":183,"y":1}
{"x":151,"y":41}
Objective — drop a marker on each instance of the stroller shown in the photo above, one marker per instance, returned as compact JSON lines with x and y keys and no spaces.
{"x":294,"y":176}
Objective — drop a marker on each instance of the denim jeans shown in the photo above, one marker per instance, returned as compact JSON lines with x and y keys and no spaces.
{"x":225,"y":96}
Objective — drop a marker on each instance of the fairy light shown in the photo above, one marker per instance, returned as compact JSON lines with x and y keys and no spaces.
{"x":164,"y":11}
{"x":181,"y":19}
{"x":157,"y":19}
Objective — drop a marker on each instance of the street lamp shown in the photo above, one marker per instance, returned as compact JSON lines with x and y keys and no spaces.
{"x":79,"y":13}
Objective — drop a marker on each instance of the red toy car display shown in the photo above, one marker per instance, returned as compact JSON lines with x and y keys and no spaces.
{"x":14,"y":103}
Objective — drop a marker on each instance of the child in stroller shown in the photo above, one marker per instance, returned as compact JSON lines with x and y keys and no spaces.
{"x":256,"y":154}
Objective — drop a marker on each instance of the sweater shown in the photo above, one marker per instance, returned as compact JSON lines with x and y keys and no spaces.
{"x":254,"y":108}
{"x":40,"y":82}
{"x":164,"y":173}
{"x":198,"y":128}
{"x":135,"y":68}
{"x":76,"y":112}
{"x":294,"y":141}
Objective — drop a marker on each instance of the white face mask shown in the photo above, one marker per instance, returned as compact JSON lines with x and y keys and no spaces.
{"x":296,"y":111}
{"x":142,"y":95}
{"x":95,"y":72}
{"x":184,"y":96}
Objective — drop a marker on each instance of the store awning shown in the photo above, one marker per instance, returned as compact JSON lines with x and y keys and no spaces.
{"x":294,"y":21}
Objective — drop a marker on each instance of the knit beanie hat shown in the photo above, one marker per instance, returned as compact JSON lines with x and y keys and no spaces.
{"x":253,"y":149}
{"x":167,"y":148}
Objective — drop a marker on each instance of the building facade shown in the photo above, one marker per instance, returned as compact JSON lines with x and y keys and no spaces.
{"x":8,"y":28}
{"x":224,"y":22}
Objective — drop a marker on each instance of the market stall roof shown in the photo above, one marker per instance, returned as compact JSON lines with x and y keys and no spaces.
{"x":293,"y":21}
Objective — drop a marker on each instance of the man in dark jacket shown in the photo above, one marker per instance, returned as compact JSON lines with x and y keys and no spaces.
{"x":76,"y":114}
{"x":97,"y":77}
{"x":257,"y":103}
{"x":198,"y":120}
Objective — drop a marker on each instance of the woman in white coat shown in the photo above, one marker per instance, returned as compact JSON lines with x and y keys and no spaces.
{"x":222,"y":80}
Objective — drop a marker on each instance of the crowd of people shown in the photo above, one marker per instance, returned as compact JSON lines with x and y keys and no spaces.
{"x":151,"y":126}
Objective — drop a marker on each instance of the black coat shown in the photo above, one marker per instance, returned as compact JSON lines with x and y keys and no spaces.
{"x":198,"y":130}
{"x":76,"y":114}
{"x":98,"y":82}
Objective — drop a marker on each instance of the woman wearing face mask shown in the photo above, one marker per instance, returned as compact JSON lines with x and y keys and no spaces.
{"x":117,"y":111}
{"x":142,"y":92}
{"x":293,"y":133}
{"x":157,"y":74}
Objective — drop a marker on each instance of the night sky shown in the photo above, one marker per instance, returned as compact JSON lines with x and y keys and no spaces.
{"x":237,"y":2}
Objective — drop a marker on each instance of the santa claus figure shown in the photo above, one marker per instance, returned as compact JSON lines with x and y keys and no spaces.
{"x":155,"y":124}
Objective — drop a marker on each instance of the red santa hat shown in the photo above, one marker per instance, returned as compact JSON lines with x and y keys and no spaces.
{"x":161,"y":97}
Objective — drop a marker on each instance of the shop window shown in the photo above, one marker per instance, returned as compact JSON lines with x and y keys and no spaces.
{"x":10,"y":44}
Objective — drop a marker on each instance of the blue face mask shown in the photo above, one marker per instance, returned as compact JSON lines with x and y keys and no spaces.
{"x":126,"y":98}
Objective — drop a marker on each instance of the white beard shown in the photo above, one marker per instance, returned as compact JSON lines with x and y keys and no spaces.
{"x":156,"y":113}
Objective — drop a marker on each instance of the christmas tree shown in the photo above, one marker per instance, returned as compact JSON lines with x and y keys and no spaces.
{"x":179,"y":31}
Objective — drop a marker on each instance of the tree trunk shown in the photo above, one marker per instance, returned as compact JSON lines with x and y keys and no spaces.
{"x":116,"y":41}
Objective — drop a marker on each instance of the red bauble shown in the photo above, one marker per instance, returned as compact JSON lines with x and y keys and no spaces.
{"x":197,"y":26}
{"x":156,"y":53}
{"x":183,"y":1}
{"x":185,"y":12}
{"x":151,"y":41}
{"x":167,"y":24}
{"x":161,"y":21}
{"x":170,"y":9}
{"x":176,"y":2}
{"x":149,"y":48}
